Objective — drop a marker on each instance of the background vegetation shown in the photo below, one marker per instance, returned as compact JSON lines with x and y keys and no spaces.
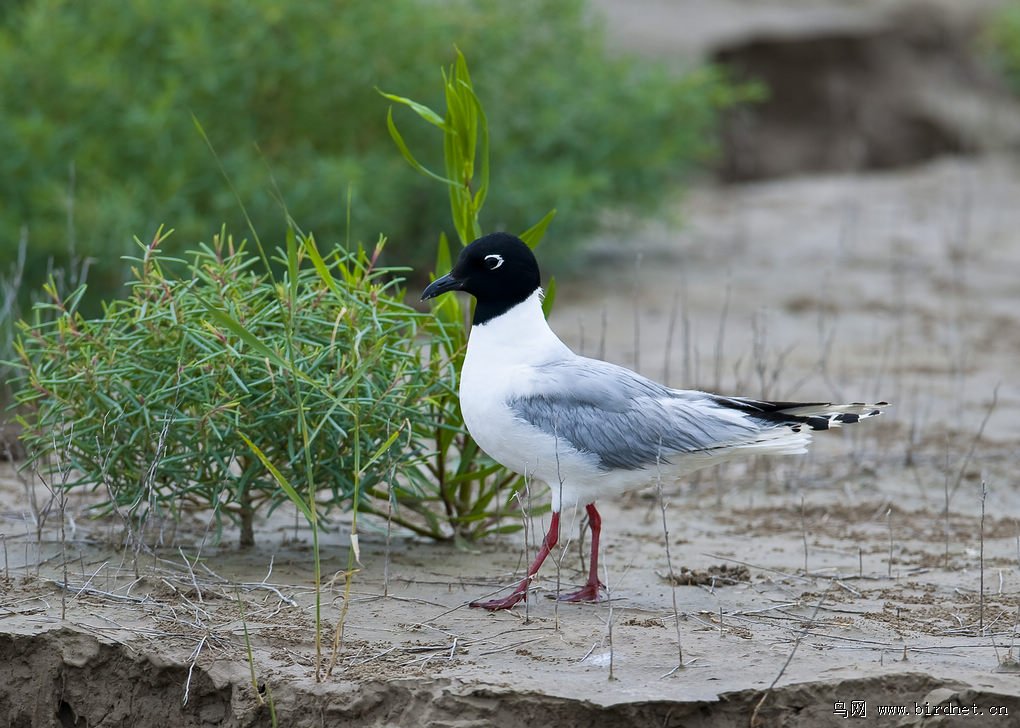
{"x":97,"y":143}
{"x":1002,"y":40}
{"x":241,"y":383}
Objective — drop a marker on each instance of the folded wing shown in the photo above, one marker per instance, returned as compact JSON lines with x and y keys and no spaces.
{"x":630,"y":422}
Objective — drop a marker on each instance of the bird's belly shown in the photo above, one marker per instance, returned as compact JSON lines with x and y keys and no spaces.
{"x":497,"y":431}
{"x":504,"y":437}
{"x":572,"y":476}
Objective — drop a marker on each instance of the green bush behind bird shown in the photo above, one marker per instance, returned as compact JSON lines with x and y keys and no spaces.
{"x":97,"y":143}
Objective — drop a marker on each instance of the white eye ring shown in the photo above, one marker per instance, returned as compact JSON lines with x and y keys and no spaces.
{"x":494,"y":261}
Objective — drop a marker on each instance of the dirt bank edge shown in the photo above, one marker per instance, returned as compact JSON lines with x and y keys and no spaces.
{"x":66,"y":677}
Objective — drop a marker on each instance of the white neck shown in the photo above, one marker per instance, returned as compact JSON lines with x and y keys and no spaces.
{"x":519,"y":336}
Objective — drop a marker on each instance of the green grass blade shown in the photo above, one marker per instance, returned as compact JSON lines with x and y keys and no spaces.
{"x":481,"y":146}
{"x":238,"y":329}
{"x":384,"y":447}
{"x":443,"y":260}
{"x":320,"y":265}
{"x":296,"y":498}
{"x":550,"y":297}
{"x":292,"y":263}
{"x":398,"y":139}
{"x":534,"y":234}
{"x":420,"y":109}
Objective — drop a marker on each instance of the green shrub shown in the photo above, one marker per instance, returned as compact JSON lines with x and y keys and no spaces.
{"x":150,"y":404}
{"x":97,"y":142}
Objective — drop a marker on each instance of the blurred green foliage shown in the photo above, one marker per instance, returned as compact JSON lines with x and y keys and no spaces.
{"x":1002,"y":40}
{"x":97,"y":141}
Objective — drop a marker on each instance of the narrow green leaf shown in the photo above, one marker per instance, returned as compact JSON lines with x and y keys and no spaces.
{"x":384,"y":447}
{"x":292,"y":262}
{"x":484,"y":499}
{"x":461,"y":67}
{"x":420,"y":109}
{"x":320,"y":265}
{"x":443,"y":260}
{"x":479,"y":143}
{"x":228,"y":322}
{"x":296,"y":498}
{"x":445,"y":308}
{"x":404,"y":150}
{"x":510,"y":528}
{"x":479,"y":475}
{"x":469,"y":453}
{"x":534,"y":234}
{"x":550,"y":297}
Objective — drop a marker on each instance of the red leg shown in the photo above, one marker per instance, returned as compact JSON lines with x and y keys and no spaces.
{"x":590,"y":591}
{"x":521,"y":592}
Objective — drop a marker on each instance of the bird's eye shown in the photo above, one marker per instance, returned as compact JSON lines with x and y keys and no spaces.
{"x":493,"y":261}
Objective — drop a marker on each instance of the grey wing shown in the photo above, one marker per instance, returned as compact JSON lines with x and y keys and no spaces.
{"x":624,"y":419}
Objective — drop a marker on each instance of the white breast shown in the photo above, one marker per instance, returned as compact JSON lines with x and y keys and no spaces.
{"x":499,"y":366}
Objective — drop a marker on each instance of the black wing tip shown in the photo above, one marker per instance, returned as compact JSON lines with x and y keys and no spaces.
{"x":824,"y":422}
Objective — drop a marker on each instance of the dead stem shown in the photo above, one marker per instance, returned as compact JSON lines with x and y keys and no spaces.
{"x":720,"y":337}
{"x":981,"y":559}
{"x":670,"y":329}
{"x":389,"y":536}
{"x":974,"y":442}
{"x":803,"y":533}
{"x":191,"y":668}
{"x":563,"y":548}
{"x":526,"y":516}
{"x":669,"y":565}
{"x":609,"y":620}
{"x":603,"y":326}
{"x":800,"y":636}
{"x":888,"y":522}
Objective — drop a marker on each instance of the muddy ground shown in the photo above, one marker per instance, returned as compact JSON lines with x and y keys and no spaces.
{"x":835,"y":577}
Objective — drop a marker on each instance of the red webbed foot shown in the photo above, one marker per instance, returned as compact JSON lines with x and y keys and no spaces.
{"x":495,"y":605}
{"x":590,"y":592}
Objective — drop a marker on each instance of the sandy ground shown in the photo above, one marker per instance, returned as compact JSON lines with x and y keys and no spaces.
{"x":836,"y":577}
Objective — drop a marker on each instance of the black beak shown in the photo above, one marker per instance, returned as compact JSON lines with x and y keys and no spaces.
{"x":442,"y":285}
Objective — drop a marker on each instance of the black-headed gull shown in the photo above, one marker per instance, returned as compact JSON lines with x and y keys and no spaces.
{"x":587,"y":428}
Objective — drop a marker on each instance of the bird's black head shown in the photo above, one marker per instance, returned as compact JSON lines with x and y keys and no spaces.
{"x":499,"y":270}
